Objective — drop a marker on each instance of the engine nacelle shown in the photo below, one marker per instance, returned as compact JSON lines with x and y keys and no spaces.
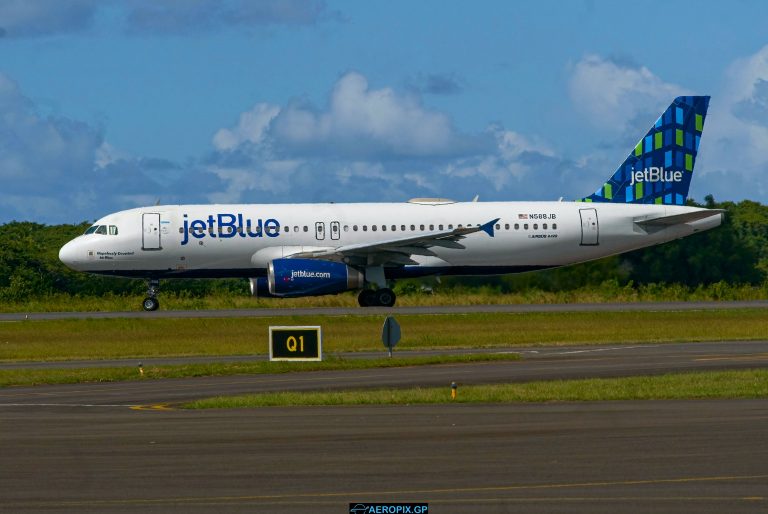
{"x":309,"y":277}
{"x":260,"y":288}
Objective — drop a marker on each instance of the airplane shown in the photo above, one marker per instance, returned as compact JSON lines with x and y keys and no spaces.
{"x":292,"y":250}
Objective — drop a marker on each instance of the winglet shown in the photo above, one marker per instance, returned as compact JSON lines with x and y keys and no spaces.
{"x":488,"y":227}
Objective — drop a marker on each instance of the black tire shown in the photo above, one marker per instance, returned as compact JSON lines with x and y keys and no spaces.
{"x":385,"y":297}
{"x":150,"y":304}
{"x":367,"y":298}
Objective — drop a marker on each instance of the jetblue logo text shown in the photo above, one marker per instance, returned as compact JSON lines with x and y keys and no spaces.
{"x":227,"y":226}
{"x":309,"y":274}
{"x":654,"y":174}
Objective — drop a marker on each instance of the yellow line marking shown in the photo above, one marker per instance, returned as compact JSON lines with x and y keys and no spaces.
{"x":156,"y":406}
{"x":369,"y":494}
{"x":737,"y":358}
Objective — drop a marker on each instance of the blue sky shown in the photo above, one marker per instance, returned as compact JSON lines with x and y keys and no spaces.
{"x":106,"y":105}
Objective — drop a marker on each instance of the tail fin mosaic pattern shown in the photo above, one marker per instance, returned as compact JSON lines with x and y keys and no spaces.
{"x":659,"y":169}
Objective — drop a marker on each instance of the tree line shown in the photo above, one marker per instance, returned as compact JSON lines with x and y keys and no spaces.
{"x":735,"y":253}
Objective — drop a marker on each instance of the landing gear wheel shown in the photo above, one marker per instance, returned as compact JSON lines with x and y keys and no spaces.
{"x":150,"y":304}
{"x":385,"y":297}
{"x":366,"y":298}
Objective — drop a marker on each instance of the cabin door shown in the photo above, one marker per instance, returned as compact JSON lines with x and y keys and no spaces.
{"x":589,"y":227}
{"x":151,"y":231}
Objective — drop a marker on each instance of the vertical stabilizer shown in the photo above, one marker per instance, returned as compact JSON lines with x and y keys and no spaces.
{"x":660,"y":167}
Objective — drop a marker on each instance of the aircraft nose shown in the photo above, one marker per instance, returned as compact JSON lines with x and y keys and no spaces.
{"x":69,"y":255}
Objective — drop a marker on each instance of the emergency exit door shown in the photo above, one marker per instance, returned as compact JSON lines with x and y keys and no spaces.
{"x":590,"y":230}
{"x":151,"y":231}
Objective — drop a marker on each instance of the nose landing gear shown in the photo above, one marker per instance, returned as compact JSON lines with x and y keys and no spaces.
{"x":151,"y":302}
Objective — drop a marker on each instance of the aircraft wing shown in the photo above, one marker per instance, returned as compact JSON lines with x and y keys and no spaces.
{"x":396,"y":251}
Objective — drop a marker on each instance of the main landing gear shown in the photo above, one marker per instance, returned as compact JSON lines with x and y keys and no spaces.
{"x":151,"y":302}
{"x":384,"y":297}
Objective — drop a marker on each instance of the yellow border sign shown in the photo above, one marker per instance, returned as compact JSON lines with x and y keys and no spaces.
{"x":295,"y":343}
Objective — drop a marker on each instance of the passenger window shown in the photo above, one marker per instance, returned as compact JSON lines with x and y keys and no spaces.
{"x":498,"y":227}
{"x":535,"y":226}
{"x":431,"y":227}
{"x":413,"y":227}
{"x":402,"y":227}
{"x":440,"y":227}
{"x":102,"y":230}
{"x":286,"y":229}
{"x":544,"y":226}
{"x":354,"y":227}
{"x":373,"y":227}
{"x":450,"y":227}
{"x":365,"y":228}
{"x":346,"y":228}
{"x":306,"y":229}
{"x":525,"y":226}
{"x":181,"y":230}
{"x":506,"y":226}
{"x":517,"y":226}
{"x":554,"y":226}
{"x":421,"y":227}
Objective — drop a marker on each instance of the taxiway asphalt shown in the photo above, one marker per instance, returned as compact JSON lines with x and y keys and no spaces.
{"x":370,"y":311}
{"x":119,"y":448}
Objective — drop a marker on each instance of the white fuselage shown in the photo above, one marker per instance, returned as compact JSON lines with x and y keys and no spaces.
{"x":225,"y":240}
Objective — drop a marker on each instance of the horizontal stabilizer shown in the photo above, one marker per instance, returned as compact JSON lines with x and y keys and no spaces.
{"x":677,"y":219}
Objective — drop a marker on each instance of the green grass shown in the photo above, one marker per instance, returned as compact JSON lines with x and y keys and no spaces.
{"x":699,"y":385}
{"x":608,"y":291}
{"x":31,"y":377}
{"x":145,"y":338}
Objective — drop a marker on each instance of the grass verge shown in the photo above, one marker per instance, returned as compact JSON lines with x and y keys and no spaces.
{"x":31,"y":377}
{"x":698,"y":385}
{"x":145,"y":338}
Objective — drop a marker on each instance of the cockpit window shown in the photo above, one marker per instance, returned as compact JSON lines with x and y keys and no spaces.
{"x":113,"y":230}
{"x":91,"y":229}
{"x":102,"y":229}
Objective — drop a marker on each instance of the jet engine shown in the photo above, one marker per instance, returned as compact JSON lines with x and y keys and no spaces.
{"x":309,"y":277}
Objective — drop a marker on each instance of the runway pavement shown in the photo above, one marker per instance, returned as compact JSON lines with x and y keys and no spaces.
{"x":676,"y":456}
{"x":370,"y":311}
{"x":116,"y":448}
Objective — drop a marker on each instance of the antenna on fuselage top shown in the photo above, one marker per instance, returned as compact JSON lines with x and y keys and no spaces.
{"x":476,"y":198}
{"x":157,"y":202}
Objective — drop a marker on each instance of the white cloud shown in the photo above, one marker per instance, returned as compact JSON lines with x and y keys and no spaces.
{"x":30,"y":18}
{"x":369,"y":144}
{"x":250,"y":128}
{"x":361,"y":120}
{"x":733,"y":146}
{"x":612,"y":93}
{"x":42,"y":150}
{"x":191,"y":17}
